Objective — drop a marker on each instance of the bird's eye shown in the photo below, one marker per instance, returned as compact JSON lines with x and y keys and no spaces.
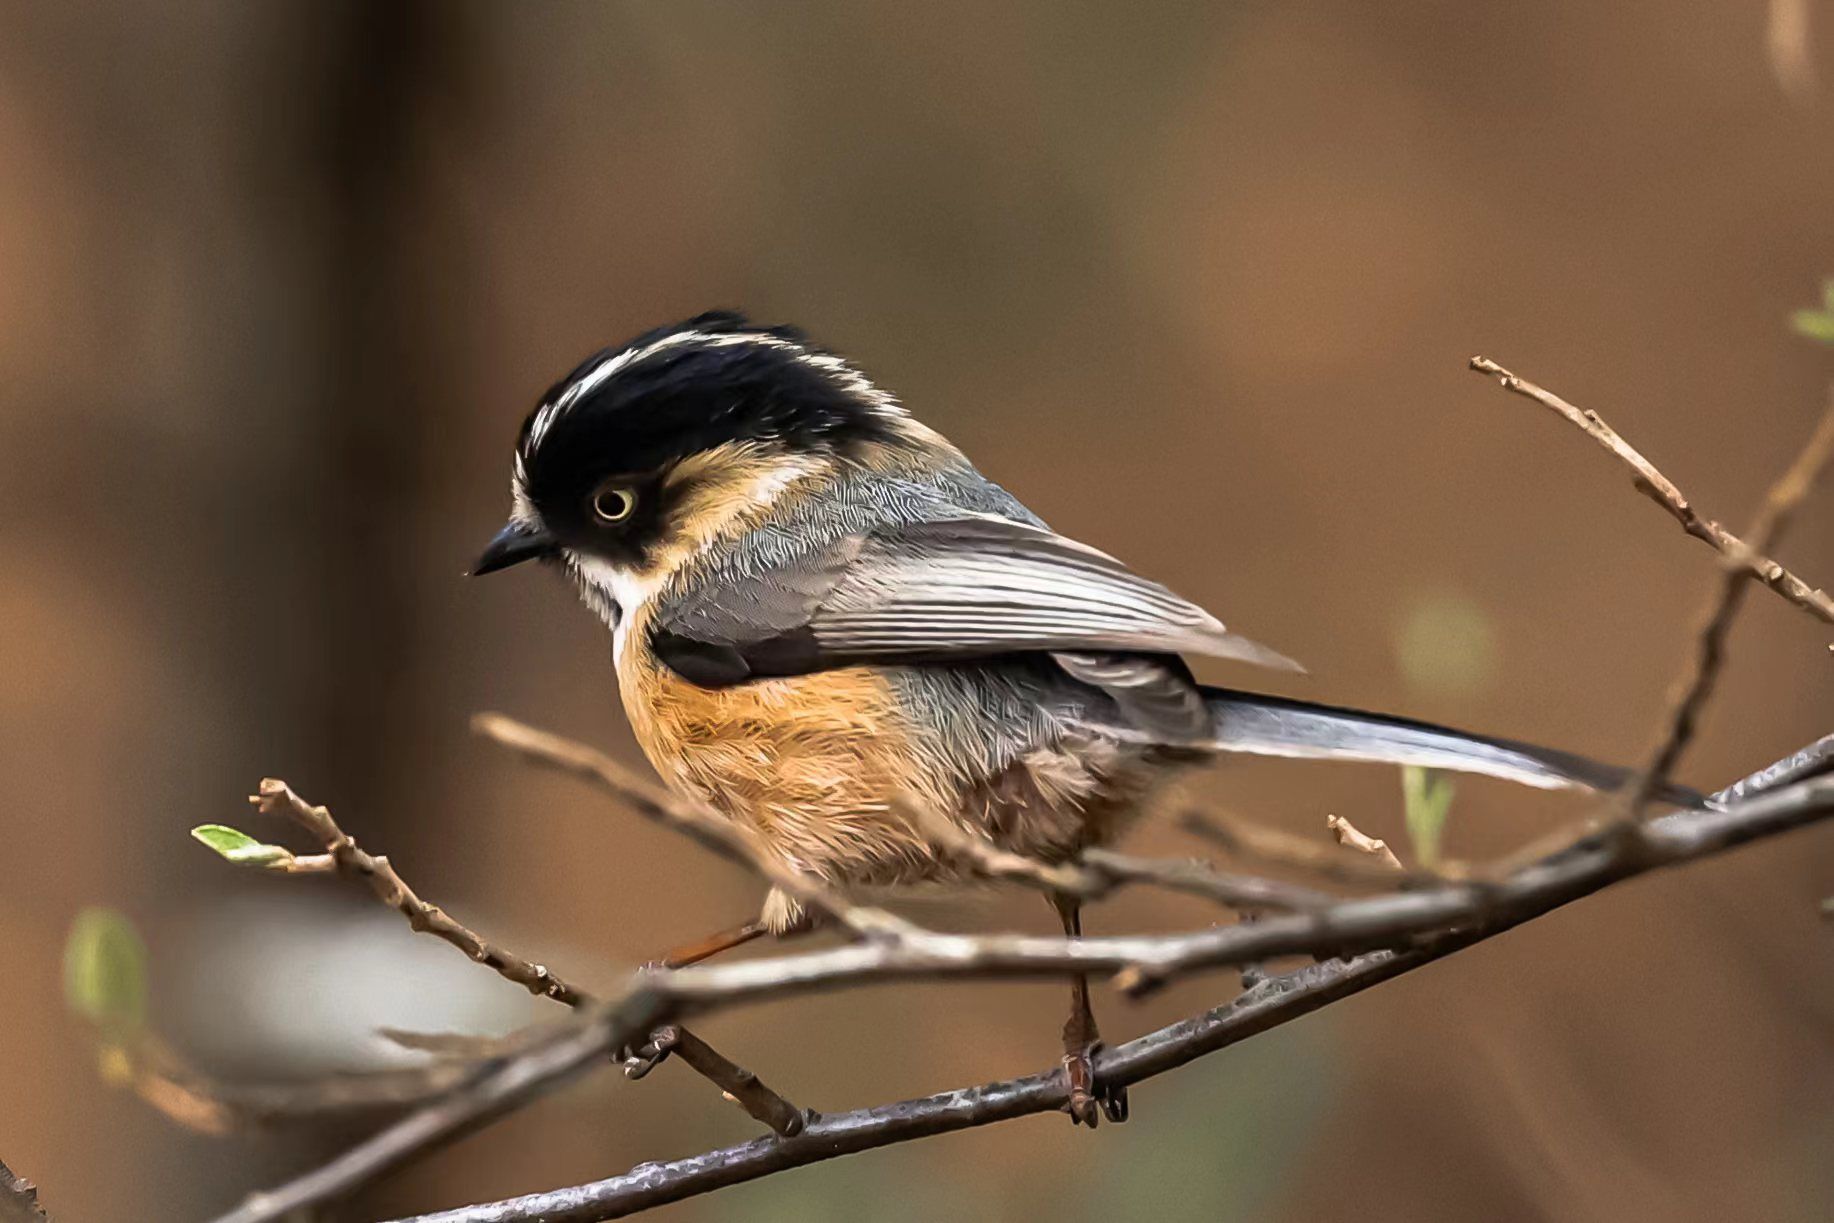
{"x":613,"y":503}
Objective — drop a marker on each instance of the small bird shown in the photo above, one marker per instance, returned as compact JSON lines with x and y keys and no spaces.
{"x":821,"y":611}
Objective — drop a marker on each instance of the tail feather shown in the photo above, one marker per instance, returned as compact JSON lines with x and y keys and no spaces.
{"x":1276,"y":726}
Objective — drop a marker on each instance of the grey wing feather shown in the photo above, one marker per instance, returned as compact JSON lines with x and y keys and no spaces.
{"x":976,"y":585}
{"x":962,"y":587}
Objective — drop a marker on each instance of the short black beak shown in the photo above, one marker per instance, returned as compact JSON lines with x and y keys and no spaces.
{"x":512,"y":545}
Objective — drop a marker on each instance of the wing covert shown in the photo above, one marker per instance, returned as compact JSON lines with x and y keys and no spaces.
{"x":933,"y":591}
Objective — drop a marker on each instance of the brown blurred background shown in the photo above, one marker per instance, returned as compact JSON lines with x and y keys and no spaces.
{"x":1198,"y":281}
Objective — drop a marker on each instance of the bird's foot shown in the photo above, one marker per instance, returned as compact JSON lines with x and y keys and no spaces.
{"x":1091,"y":1100}
{"x":639,"y":1059}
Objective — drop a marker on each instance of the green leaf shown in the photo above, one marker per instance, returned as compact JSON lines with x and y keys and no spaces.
{"x":105,"y":973}
{"x":1817,"y":324}
{"x":237,"y":846}
{"x":1428,"y":796}
{"x":1813,"y":325}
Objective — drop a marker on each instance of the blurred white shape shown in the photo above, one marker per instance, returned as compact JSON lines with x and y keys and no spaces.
{"x":1445,"y":644}
{"x":296,"y":983}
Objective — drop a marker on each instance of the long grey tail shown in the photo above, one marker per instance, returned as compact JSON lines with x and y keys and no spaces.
{"x":1275,"y":726}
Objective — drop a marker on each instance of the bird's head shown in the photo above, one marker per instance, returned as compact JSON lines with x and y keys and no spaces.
{"x":646,"y":454}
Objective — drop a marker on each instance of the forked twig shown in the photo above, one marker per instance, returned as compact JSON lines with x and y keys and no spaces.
{"x":1663,"y":491}
{"x":1773,"y":519}
{"x":179,"y":1096}
{"x":275,"y":797}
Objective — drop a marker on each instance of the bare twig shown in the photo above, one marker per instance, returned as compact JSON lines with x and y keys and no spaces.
{"x":277,"y":798}
{"x":1660,"y":489}
{"x":741,"y":1086}
{"x":1348,"y":834}
{"x":18,"y":1199}
{"x":1277,"y":1000}
{"x":1772,"y":520}
{"x":209,"y":1105}
{"x":495,"y":1088}
{"x":1815,"y":760}
{"x":1276,"y":848}
{"x":1354,"y":925}
{"x":1272,"y":1002}
{"x":217,"y":1108}
{"x":1098,"y":872}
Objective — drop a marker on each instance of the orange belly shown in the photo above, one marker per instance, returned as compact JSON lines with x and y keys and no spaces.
{"x":812,"y":762}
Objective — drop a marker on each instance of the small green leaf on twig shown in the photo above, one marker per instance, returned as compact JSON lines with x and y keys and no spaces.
{"x":237,"y":846}
{"x":1428,"y":796}
{"x":105,"y":973}
{"x":1817,"y":324}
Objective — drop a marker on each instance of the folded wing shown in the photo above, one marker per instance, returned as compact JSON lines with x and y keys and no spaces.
{"x":933,"y":592}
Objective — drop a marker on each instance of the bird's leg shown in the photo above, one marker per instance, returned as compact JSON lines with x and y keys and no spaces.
{"x":639,"y":1060}
{"x":713,"y":944}
{"x":1081,"y":1038}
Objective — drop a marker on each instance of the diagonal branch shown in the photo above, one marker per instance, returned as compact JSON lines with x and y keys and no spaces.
{"x":1660,"y":489}
{"x":1275,"y":1001}
{"x":497,"y":1087}
{"x":1780,"y":505}
{"x":277,"y":798}
{"x":1272,"y":1002}
{"x":1356,"y":925}
{"x":1096,"y":872}
{"x":211,"y":1109}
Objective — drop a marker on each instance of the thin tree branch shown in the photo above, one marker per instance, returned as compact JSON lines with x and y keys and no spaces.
{"x":277,"y":798}
{"x":497,"y":1087}
{"x":1350,"y":835}
{"x":1353,"y":925}
{"x":1780,"y":505}
{"x":1815,"y":760}
{"x":1097,"y":872}
{"x":1660,"y":489}
{"x":171,"y":1086}
{"x":1271,"y":1002}
{"x":18,"y":1199}
{"x":1275,"y":1001}
{"x":1323,"y":860}
{"x":741,"y":1086}
{"x":217,"y":1107}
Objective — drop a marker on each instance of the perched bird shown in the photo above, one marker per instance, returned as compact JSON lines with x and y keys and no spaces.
{"x":820,"y":611}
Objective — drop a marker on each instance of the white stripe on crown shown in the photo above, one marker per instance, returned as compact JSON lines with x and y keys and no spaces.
{"x":844,"y":376}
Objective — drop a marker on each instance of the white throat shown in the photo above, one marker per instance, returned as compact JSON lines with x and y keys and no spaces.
{"x":614,"y":594}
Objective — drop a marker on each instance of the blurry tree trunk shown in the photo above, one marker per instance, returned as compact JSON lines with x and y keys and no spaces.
{"x":385,"y":73}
